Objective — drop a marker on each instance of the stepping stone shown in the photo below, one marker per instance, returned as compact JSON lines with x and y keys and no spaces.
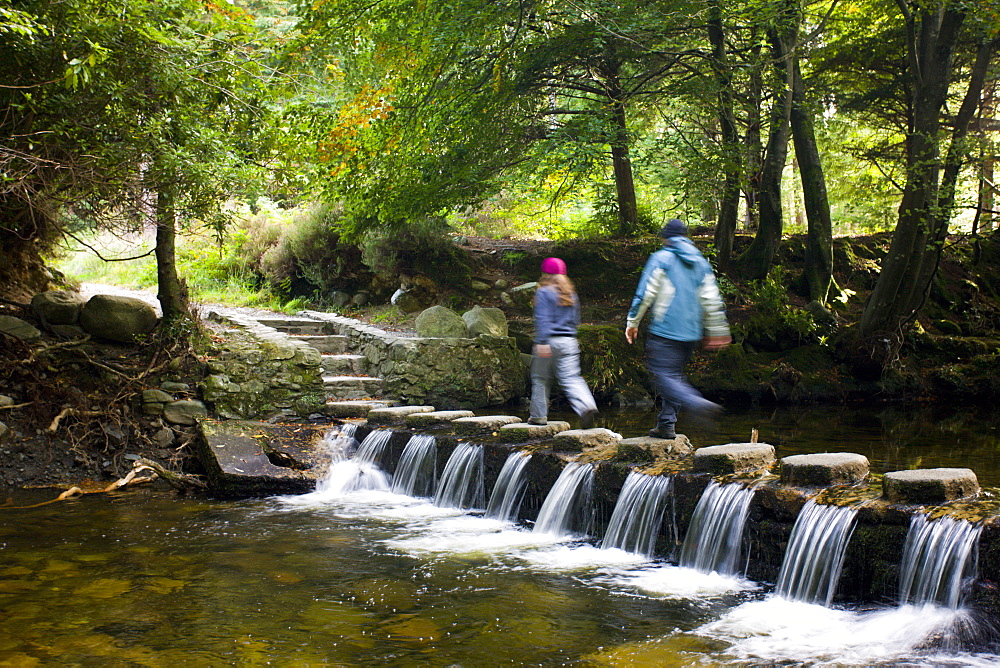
{"x":435,"y":418}
{"x":327,"y":344}
{"x":733,"y":457}
{"x":342,"y":365}
{"x":522,"y":431}
{"x":929,"y":486}
{"x":352,"y":387}
{"x":352,"y":409}
{"x":824,"y":469}
{"x":575,"y":440}
{"x":662,"y":446}
{"x":395,"y":414}
{"x":481,"y":424}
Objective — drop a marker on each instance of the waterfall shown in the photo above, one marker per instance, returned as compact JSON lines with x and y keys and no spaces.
{"x":360,"y":472}
{"x":635,"y":522}
{"x":815,"y":553}
{"x":371,"y":449}
{"x":568,"y":500}
{"x":715,"y":534}
{"x":937,"y":556}
{"x":462,"y":479}
{"x":508,"y":492}
{"x":416,"y":472}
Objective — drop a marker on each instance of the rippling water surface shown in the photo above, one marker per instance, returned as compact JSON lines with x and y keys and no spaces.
{"x":144,"y":577}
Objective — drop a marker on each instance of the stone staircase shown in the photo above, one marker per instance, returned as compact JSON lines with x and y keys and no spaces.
{"x":344,"y":374}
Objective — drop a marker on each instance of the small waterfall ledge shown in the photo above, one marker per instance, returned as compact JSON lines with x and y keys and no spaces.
{"x":245,"y":459}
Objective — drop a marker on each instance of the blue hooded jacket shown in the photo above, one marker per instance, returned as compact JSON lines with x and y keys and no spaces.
{"x":678,"y":288}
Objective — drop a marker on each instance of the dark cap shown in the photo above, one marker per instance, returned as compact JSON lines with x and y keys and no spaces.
{"x":674,"y":228}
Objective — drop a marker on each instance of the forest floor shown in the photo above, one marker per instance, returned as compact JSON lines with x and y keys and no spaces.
{"x":952,"y":356}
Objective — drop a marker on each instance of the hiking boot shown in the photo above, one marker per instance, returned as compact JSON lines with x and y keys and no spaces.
{"x":587,"y":419}
{"x":664,"y":431}
{"x":538,"y":421}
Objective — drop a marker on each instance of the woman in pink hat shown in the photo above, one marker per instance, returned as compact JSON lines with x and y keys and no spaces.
{"x":556,"y":351}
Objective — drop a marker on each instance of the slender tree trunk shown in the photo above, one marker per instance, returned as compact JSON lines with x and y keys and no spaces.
{"x":628,"y":209}
{"x":171,"y":293}
{"x":819,"y":236}
{"x":754,"y":149}
{"x":756,"y":261}
{"x":729,"y":198}
{"x":932,"y":38}
{"x":987,"y":175}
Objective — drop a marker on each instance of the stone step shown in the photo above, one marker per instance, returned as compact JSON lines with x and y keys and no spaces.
{"x":353,"y":408}
{"x":327,"y":344}
{"x":296,"y":325}
{"x":343,"y":365}
{"x":352,"y":387}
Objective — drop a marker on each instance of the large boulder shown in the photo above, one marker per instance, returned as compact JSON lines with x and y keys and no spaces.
{"x":58,"y":307}
{"x":406,"y":301}
{"x":116,"y":318}
{"x":488,"y":321}
{"x":441,"y":322}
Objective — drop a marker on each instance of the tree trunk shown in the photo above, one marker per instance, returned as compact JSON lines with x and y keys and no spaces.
{"x":756,"y":261}
{"x":172,"y":292}
{"x":819,"y":236}
{"x":987,"y":175}
{"x":892,"y":306}
{"x":628,"y":210}
{"x":729,"y":198}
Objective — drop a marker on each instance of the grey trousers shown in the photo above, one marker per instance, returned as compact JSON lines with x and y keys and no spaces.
{"x":565,"y":366}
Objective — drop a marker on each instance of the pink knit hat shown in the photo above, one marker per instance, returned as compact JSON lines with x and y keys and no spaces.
{"x":553,"y":265}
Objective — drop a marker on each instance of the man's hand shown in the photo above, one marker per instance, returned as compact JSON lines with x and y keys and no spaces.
{"x":543,"y":350}
{"x":716,"y":342}
{"x":631,"y":333}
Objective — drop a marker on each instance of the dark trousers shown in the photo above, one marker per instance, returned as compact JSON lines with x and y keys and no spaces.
{"x":665,"y":360}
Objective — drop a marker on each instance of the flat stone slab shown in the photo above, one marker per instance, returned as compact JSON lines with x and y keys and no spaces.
{"x":662,"y":446}
{"x":824,"y":469}
{"x":240,"y":458}
{"x":575,"y":440}
{"x":733,"y":457}
{"x":929,"y":486}
{"x":481,"y":424}
{"x":435,"y":418}
{"x":351,"y":409}
{"x":522,"y":431}
{"x":395,"y":414}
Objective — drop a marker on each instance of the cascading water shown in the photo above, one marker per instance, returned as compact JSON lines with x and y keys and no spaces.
{"x":567,"y":505}
{"x":508,"y":492}
{"x":461,"y":483}
{"x":416,"y":472}
{"x":815,"y":554}
{"x":635,"y":522}
{"x":715,"y":533}
{"x":937,"y":557}
{"x":360,"y":472}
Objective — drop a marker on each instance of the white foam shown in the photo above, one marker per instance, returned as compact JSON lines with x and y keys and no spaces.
{"x":579,"y":557}
{"x":776,"y":629}
{"x":671,"y":581}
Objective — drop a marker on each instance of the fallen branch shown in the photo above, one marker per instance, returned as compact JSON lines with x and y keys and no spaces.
{"x":70,"y":493}
{"x":27,"y":403}
{"x":175,"y":479}
{"x":54,"y":426}
{"x":131,"y":478}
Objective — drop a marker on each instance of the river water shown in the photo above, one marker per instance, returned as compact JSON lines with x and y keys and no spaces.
{"x":146,"y":578}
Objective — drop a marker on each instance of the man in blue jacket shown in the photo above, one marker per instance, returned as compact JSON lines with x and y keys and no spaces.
{"x":678,"y":290}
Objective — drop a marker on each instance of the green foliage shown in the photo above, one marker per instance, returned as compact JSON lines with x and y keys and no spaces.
{"x":776,"y":323}
{"x":419,"y":248}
